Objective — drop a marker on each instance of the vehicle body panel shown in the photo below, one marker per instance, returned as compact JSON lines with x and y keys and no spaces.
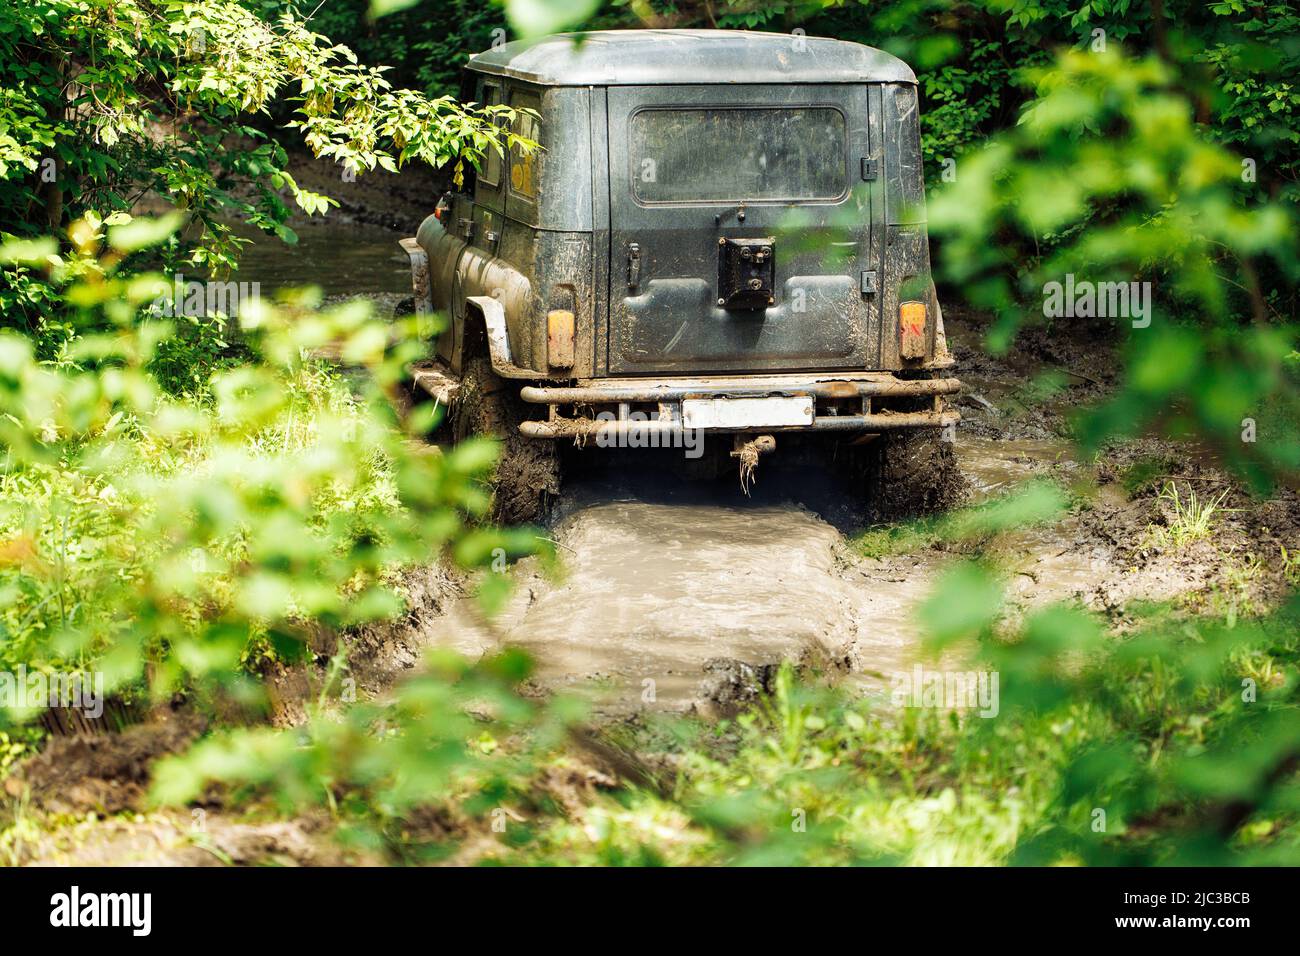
{"x":671,"y":320}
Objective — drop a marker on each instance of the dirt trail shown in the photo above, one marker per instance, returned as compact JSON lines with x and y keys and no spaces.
{"x":652,"y":591}
{"x":663,"y":590}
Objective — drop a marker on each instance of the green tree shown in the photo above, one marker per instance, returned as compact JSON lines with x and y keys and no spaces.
{"x":107,"y":104}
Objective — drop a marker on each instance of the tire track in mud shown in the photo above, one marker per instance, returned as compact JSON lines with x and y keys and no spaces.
{"x":659,"y":598}
{"x":652,"y":592}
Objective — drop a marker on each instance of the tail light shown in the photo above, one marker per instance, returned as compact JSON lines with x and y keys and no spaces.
{"x":559,"y":338}
{"x":911,"y":330}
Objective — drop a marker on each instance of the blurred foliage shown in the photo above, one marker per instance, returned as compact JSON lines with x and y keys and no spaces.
{"x":1035,"y":503}
{"x":379,"y":764}
{"x":179,"y":542}
{"x":1107,"y":178}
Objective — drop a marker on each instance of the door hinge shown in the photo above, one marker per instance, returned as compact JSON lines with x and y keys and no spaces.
{"x":870,"y":169}
{"x":869,"y":282}
{"x":633,"y":267}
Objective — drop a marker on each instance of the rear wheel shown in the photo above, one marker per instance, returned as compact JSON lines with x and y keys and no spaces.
{"x":908,"y":473}
{"x":527,"y":476}
{"x":915,"y":474}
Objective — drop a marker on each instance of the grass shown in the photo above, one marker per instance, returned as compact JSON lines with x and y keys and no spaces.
{"x":1193,"y":517}
{"x":68,"y":541}
{"x":1290,"y":566}
{"x":814,"y":776}
{"x":1033,"y":503}
{"x":818,"y":776}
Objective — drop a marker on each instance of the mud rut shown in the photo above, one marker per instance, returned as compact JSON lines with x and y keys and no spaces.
{"x":677,"y":595}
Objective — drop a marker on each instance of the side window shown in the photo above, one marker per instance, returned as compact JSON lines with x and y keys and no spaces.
{"x":523,"y":169}
{"x":491,"y":174}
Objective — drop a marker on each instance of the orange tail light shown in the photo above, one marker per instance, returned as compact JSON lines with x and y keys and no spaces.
{"x":559,"y":338}
{"x":911,"y":330}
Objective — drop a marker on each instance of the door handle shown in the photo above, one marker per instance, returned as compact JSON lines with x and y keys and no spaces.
{"x":633,"y":267}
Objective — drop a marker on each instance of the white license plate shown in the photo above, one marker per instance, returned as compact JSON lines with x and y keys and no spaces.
{"x":747,"y":412}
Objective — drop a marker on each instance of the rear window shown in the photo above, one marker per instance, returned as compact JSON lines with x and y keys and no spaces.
{"x":735,"y":155}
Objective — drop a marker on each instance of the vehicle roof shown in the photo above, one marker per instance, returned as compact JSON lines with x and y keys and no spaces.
{"x":655,"y":57}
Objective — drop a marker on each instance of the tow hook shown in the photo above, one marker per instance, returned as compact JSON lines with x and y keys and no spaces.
{"x":748,"y":453}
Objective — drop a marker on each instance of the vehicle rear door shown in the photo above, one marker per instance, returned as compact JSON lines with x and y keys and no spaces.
{"x":693,"y":166}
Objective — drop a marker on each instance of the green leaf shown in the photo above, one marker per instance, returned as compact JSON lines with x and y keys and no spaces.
{"x":143,"y":232}
{"x":540,"y":17}
{"x":28,"y":252}
{"x":382,"y":8}
{"x":967,"y":599}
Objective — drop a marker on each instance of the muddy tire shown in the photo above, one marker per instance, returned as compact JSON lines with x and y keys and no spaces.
{"x":915,"y":474}
{"x":903,"y":474}
{"x":527,"y":477}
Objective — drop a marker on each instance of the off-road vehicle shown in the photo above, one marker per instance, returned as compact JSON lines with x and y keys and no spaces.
{"x":723,"y":234}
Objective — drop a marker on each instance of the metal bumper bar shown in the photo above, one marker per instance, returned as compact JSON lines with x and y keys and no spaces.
{"x":866,"y":385}
{"x":880,"y":421}
{"x":840,"y":403}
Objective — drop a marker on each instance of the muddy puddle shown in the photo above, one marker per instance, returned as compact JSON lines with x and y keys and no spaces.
{"x":1048,"y":562}
{"x":667,"y":584}
{"x":651,"y":592}
{"x":995,"y":465}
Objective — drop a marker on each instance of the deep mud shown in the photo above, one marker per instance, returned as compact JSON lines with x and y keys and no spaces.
{"x":685,"y":596}
{"x":654,"y":590}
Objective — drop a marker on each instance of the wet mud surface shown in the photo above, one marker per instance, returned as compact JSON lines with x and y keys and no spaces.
{"x":677,"y":595}
{"x":654,"y":591}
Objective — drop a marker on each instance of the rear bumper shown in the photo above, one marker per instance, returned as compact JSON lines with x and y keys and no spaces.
{"x":840,"y":402}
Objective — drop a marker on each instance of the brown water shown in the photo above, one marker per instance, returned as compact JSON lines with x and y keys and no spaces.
{"x":658,"y":582}
{"x":994,"y":465}
{"x":342,"y":259}
{"x":652,"y":591}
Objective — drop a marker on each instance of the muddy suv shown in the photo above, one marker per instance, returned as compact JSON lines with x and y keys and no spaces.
{"x":722,"y":236}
